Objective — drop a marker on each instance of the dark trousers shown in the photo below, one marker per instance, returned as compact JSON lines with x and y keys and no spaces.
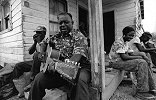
{"x":45,"y":81}
{"x":26,"y":66}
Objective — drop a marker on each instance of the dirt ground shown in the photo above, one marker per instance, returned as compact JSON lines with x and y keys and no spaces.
{"x":123,"y":92}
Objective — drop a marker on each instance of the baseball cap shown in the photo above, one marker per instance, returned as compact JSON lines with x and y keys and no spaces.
{"x":40,"y":28}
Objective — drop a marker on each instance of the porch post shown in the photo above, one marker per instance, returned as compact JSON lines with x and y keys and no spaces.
{"x":97,"y":44}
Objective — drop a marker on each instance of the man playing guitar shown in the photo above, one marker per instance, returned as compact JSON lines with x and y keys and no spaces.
{"x":72,"y":47}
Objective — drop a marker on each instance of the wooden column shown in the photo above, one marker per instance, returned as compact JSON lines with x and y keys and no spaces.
{"x":97,"y":43}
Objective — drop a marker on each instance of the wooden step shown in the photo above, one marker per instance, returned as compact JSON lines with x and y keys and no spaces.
{"x":55,"y":94}
{"x":113,"y":79}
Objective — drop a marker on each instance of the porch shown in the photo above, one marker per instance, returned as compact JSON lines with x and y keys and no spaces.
{"x":105,"y":82}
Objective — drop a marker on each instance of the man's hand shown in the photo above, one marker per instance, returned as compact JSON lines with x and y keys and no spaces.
{"x":50,"y":64}
{"x":37,"y":38}
{"x":42,"y":56}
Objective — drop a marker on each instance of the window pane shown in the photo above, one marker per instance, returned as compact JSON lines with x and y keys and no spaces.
{"x":52,"y":7}
{"x":53,"y":27}
{"x":0,"y":18}
{"x":0,"y":25}
{"x":0,"y":12}
{"x":61,"y":7}
{"x":55,"y":7}
{"x":7,"y":22}
{"x":6,"y":9}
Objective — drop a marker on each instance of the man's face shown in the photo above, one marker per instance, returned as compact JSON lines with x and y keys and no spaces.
{"x":40,"y":35}
{"x":65,"y":23}
{"x":129,"y":36}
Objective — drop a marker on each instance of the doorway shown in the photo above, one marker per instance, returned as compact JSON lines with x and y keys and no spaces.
{"x":109,"y":30}
{"x":83,"y":21}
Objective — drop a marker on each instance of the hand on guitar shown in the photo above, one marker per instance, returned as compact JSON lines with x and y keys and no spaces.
{"x":72,"y":62}
{"x":49,"y":65}
{"x":42,"y":56}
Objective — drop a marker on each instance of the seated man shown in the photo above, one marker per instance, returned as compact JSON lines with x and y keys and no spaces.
{"x":123,"y":58}
{"x":149,"y":45}
{"x":72,"y":45}
{"x":32,"y":65}
{"x":139,"y":44}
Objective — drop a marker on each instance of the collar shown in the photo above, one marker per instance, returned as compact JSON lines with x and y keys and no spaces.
{"x":64,"y":35}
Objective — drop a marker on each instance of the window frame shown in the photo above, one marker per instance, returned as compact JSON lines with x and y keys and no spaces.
{"x":53,"y":17}
{"x":6,"y":21}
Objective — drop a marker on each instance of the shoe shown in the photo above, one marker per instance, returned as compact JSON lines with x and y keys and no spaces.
{"x":27,"y":88}
{"x":145,"y":96}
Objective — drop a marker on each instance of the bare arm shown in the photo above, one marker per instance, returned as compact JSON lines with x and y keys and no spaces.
{"x":143,"y":49}
{"x":32,"y":48}
{"x":76,"y":57}
{"x":126,"y":56}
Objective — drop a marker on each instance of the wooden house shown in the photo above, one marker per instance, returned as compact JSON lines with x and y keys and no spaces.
{"x":103,"y":22}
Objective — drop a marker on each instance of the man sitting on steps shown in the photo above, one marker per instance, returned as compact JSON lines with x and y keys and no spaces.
{"x":122,"y":57}
{"x":72,"y":45}
{"x":32,"y":65}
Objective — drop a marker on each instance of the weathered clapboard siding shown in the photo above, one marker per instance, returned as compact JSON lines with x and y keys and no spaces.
{"x":39,"y":2}
{"x":11,"y":44}
{"x":35,"y":13}
{"x":12,"y":38}
{"x":16,"y":16}
{"x":125,"y":13}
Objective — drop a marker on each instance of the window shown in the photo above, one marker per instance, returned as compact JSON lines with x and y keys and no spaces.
{"x":5,"y":15}
{"x":55,"y":7}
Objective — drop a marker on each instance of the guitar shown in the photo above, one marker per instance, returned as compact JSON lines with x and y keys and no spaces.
{"x":68,"y":70}
{"x":50,"y":60}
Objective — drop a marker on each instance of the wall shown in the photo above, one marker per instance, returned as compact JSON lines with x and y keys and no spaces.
{"x":26,"y":16}
{"x":35,"y":13}
{"x":11,"y":44}
{"x":125,"y":13}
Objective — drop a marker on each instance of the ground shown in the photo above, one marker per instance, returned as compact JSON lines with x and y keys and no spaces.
{"x":123,"y":92}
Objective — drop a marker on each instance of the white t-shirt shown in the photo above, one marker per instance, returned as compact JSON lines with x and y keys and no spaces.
{"x":132,"y":44}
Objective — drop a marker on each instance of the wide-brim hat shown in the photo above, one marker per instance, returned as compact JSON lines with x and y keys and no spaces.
{"x":40,"y":28}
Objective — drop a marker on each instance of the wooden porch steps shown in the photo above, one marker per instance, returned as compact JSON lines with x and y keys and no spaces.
{"x":55,"y":94}
{"x":113,"y":79}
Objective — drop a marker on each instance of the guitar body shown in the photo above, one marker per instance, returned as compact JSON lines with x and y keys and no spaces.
{"x":54,"y":57}
{"x":69,"y":71}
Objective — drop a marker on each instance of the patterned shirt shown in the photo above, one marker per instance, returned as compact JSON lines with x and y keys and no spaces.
{"x":73,"y":43}
{"x":119,"y":46}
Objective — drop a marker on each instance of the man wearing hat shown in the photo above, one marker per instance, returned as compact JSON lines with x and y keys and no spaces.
{"x":32,"y":65}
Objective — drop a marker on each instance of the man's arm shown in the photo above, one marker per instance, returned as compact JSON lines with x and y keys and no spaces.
{"x":76,"y":57}
{"x":32,"y":48}
{"x":80,"y":48}
{"x":143,"y":49}
{"x":126,"y":56}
